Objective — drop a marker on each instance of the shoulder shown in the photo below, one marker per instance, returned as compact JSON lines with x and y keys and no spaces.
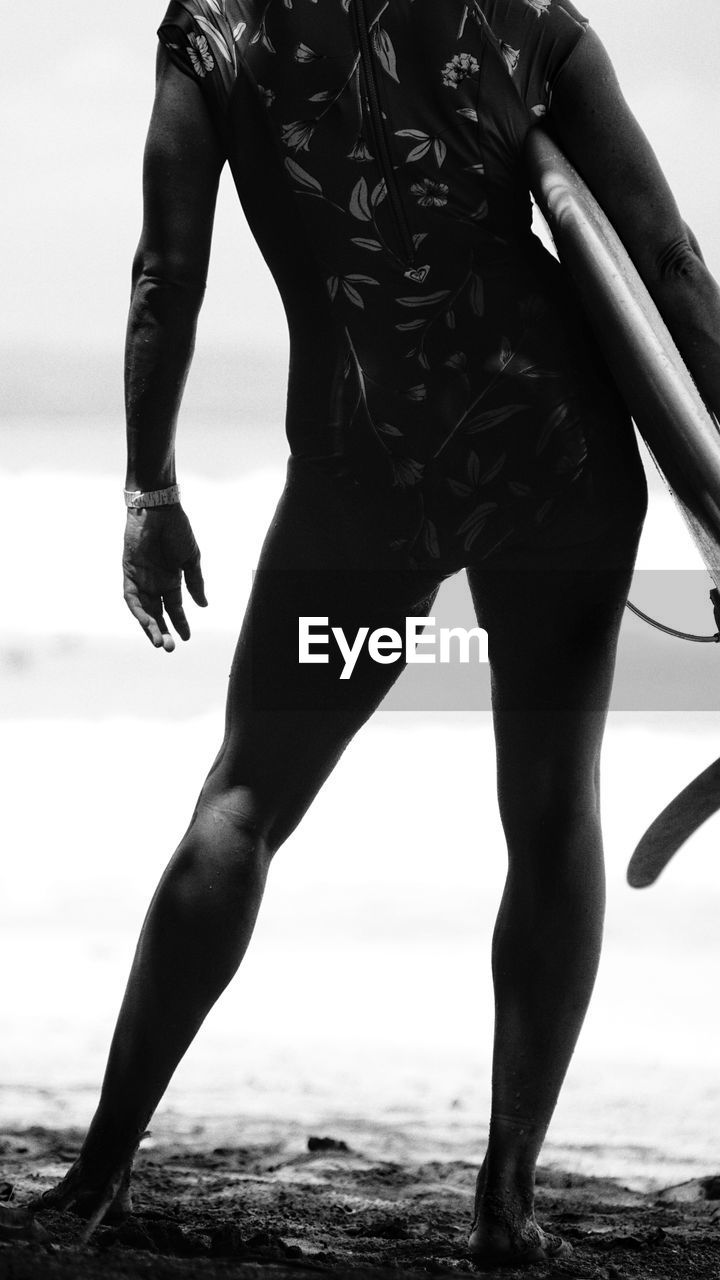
{"x":547,"y":16}
{"x":544,"y":34}
{"x":201,"y":37}
{"x":560,"y":28}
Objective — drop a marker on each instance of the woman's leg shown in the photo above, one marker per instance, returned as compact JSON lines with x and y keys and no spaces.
{"x":552,"y":643}
{"x":286,"y":726}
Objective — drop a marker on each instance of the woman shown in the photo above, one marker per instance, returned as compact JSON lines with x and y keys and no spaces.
{"x":446,"y":409}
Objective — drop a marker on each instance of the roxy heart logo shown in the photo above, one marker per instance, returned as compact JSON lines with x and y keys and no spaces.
{"x":418,"y":275}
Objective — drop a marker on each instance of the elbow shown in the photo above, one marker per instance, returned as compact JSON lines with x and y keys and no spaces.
{"x":170,"y":271}
{"x":692,"y":239}
{"x":679,"y":260}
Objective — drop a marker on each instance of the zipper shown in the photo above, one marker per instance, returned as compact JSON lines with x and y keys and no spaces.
{"x":380,"y":139}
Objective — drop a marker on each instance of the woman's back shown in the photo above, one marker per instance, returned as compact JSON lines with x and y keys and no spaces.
{"x":391,"y":202}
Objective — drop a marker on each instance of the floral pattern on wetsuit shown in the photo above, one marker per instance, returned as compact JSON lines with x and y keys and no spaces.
{"x":400,"y":124}
{"x":200,"y":56}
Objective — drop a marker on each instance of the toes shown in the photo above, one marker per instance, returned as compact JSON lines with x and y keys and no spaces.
{"x":490,"y":1254}
{"x":109,"y":1201}
{"x":55,"y":1198}
{"x":555,"y":1247}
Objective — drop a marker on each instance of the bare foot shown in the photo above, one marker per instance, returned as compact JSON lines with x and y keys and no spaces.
{"x":99,"y":1199}
{"x":505,"y":1234}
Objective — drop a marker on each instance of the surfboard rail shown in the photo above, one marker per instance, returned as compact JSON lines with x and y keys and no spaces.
{"x":682,"y":435}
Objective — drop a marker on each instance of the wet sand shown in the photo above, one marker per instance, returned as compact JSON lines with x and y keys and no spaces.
{"x":309,"y":1204}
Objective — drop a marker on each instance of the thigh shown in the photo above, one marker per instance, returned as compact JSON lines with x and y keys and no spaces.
{"x":287,"y":721}
{"x":553,"y":624}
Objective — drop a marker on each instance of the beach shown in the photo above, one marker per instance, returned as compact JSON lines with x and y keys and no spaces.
{"x":286,"y":1204}
{"x":363,"y":1012}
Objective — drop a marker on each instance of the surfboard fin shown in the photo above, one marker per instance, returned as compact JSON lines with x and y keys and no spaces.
{"x":679,"y":820}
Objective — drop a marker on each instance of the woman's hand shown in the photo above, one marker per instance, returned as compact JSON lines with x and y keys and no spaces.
{"x":159,"y":548}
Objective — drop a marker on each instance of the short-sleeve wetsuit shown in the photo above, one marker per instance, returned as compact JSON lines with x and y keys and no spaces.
{"x":437,"y":352}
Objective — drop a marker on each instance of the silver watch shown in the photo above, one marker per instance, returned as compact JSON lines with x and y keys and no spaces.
{"x":137,"y":499}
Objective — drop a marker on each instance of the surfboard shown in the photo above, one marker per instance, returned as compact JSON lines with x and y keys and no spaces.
{"x":685,"y":814}
{"x":681,"y":434}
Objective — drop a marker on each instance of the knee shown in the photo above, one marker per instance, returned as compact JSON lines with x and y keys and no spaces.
{"x":229,"y":819}
{"x":557,"y":822}
{"x":223,"y":854}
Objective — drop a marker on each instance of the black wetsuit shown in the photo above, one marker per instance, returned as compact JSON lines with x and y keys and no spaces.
{"x":439,"y":361}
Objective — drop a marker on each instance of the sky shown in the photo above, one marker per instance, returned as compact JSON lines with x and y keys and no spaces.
{"x":75,"y":104}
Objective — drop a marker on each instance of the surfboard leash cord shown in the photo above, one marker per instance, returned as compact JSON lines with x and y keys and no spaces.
{"x":683,"y":635}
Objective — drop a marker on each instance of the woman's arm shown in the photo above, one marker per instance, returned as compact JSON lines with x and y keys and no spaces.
{"x":595,"y":127}
{"x":182,"y":165}
{"x":181,"y":171}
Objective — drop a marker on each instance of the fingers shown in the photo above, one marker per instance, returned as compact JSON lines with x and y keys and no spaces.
{"x":150,"y":616}
{"x":172,"y":600}
{"x":194,"y":580}
{"x":156,"y":555}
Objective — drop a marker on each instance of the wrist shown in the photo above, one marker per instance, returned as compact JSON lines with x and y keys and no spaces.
{"x":149,"y":473}
{"x":137,"y":499}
